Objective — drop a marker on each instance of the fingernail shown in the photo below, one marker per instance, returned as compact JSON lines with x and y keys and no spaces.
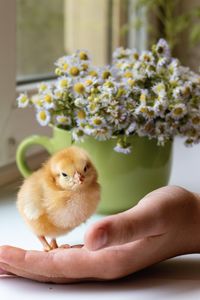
{"x":100,"y":240}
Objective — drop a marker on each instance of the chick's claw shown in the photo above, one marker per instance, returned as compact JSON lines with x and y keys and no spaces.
{"x":53,"y":244}
{"x":44,"y":243}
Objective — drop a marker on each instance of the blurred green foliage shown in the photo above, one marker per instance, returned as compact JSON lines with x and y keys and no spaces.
{"x":171,"y":22}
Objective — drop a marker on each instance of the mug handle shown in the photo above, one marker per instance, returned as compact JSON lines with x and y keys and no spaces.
{"x":24,"y":145}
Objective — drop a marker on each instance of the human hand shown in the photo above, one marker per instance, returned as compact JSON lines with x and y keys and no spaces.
{"x":164,"y":224}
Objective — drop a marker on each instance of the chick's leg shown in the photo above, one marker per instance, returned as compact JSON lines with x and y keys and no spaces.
{"x":44,"y":242}
{"x":53,"y":244}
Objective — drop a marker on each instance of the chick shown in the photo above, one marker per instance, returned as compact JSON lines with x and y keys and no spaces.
{"x":59,"y":196}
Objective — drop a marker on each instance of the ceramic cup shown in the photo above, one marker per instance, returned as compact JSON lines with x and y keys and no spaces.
{"x":124,"y":179}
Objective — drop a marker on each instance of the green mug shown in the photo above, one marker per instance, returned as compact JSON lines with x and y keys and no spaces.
{"x":124,"y":179}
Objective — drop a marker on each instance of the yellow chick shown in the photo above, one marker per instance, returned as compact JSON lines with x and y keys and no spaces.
{"x":61,"y":195}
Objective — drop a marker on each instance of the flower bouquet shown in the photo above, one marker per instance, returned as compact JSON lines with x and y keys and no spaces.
{"x":146,"y":94}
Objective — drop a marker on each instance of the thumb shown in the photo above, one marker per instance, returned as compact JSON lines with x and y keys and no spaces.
{"x":136,"y":223}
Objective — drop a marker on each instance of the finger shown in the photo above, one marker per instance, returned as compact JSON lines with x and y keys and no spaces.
{"x":69,"y":263}
{"x":4,"y":272}
{"x":9,"y":270}
{"x":34,"y":262}
{"x":139,"y":222}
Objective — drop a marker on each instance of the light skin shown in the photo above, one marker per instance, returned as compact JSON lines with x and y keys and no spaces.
{"x":164,"y":224}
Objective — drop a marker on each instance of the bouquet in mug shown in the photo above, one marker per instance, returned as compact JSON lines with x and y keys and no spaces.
{"x":149,"y":94}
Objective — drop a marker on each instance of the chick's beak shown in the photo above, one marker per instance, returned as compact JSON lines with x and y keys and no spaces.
{"x":79,"y":178}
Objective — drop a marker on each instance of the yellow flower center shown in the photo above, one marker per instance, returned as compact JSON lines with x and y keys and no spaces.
{"x":62,"y":119}
{"x":84,"y":67}
{"x":160,"y":88}
{"x":81,"y":114}
{"x":142,"y":97}
{"x":90,"y":98}
{"x":92,"y":106}
{"x":143,"y":109}
{"x":131,"y":82}
{"x":42,"y":115}
{"x":146,"y":58}
{"x":106,"y":74}
{"x":23,"y":99}
{"x":196,"y":120}
{"x":150,"y":113}
{"x":79,"y":88}
{"x":109,"y":84}
{"x":64,"y":83}
{"x":88,"y":82}
{"x":178,"y":111}
{"x":65,"y":66}
{"x":38,"y":102}
{"x":83,"y":55}
{"x":119,"y":65}
{"x":120,"y":92}
{"x":135,"y":56}
{"x":48,"y":98}
{"x":97,"y":122}
{"x":93,"y":73}
{"x":43,"y":87}
{"x":186,"y":91}
{"x":58,"y":94}
{"x":58,"y":72}
{"x":74,"y":71}
{"x":128,"y":74}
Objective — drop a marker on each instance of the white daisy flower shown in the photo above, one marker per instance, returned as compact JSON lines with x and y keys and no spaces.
{"x":43,"y":86}
{"x":121,"y":53}
{"x":147,"y":57}
{"x":80,"y":116}
{"x":58,"y":93}
{"x":179,"y":111}
{"x":37,"y":101}
{"x":109,"y":87}
{"x":93,"y":108}
{"x":162,"y":48}
{"x":79,"y":88}
{"x":48,"y":99}
{"x":195,"y":120}
{"x":160,"y":107}
{"x":80,"y":102}
{"x":147,"y":112}
{"x":144,"y":95}
{"x":63,"y":120}
{"x":63,"y":63}
{"x":177,"y":92}
{"x":78,"y":135}
{"x":123,"y":148}
{"x":97,"y":121}
{"x":43,"y":117}
{"x":160,"y":89}
{"x":23,"y":100}
{"x":82,"y":54}
{"x":63,"y":83}
{"x":88,"y":129}
{"x":102,"y":134}
{"x":162,"y":61}
{"x":131,"y":128}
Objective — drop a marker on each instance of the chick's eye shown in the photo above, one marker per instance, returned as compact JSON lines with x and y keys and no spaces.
{"x":86,"y":168}
{"x":64,"y":174}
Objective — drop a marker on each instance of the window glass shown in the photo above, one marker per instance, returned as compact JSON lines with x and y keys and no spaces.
{"x":40,"y":36}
